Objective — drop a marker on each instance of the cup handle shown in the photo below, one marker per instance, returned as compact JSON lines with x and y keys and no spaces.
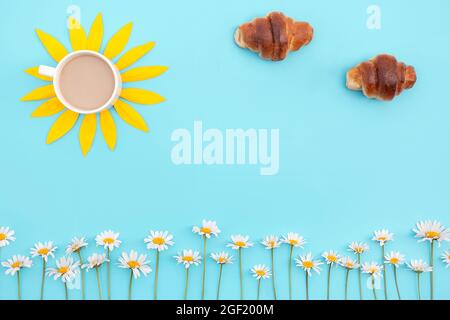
{"x":47,"y":71}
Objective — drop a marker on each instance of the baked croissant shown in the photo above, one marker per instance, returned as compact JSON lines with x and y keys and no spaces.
{"x":381,"y":78}
{"x":274,"y":36}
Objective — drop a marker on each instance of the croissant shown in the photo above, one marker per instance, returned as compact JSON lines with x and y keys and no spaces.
{"x":381,"y":78}
{"x":274,"y":36}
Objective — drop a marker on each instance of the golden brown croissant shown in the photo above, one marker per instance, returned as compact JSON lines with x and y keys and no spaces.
{"x":382,"y":78}
{"x":274,"y":36}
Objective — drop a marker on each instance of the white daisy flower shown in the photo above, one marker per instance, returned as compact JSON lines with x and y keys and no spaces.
{"x":95,"y":260}
{"x":348,"y":263}
{"x":260,"y":271}
{"x":395,"y":258}
{"x":271,"y":242}
{"x":307,"y":263}
{"x":135,"y":264}
{"x":43,"y":250}
{"x":222,"y":257}
{"x":372,"y":268}
{"x":431,"y":230}
{"x":207,"y":229}
{"x":331,"y":257}
{"x":239,"y":242}
{"x":16,"y":263}
{"x":188,"y":258}
{"x":446,"y":258}
{"x":358,"y":247}
{"x":108,"y":239}
{"x":294,"y":239}
{"x":6,"y":236}
{"x":419,"y":266}
{"x":76,"y":245}
{"x":66,"y":269}
{"x":383,"y":236}
{"x":159,"y":240}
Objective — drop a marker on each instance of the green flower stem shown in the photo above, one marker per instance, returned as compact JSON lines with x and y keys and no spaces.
{"x":130,"y":287}
{"x":109,"y":273}
{"x":44,"y":264}
{"x":432,"y":270}
{"x":418,"y":285}
{"x":307,"y":286}
{"x":204,"y":268}
{"x":329,"y":280}
{"x":220,"y":280}
{"x":98,"y":283}
{"x":290,"y":272}
{"x":346,"y":283}
{"x":155,"y":288}
{"x":241,"y":274}
{"x":273,"y":274}
{"x":396,"y":282}
{"x":18,"y":285}
{"x":373,"y":288}
{"x":66,"y":290}
{"x":187,"y":284}
{"x":259,"y":289}
{"x":384,"y":274}
{"x":83,"y":292}
{"x":359,"y":277}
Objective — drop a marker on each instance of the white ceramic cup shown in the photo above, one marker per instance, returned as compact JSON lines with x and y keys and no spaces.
{"x":55,"y":73}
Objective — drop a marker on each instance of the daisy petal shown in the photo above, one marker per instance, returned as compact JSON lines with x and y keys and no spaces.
{"x":134,"y":55}
{"x":108,"y":128}
{"x":62,"y":126}
{"x":35,"y":73}
{"x":87,"y":132}
{"x":40,"y":93}
{"x":143,"y":73}
{"x":95,"y":38}
{"x":77,"y":34}
{"x":54,"y":48}
{"x":141,"y":96}
{"x":130,"y":116}
{"x":118,"y":41}
{"x":48,"y":108}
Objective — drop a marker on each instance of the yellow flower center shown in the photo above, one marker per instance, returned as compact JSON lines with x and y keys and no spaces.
{"x":308,"y":264}
{"x":188,"y":259}
{"x":63,"y":270}
{"x":43,"y":251}
{"x":349,"y":265}
{"x":133,"y":264}
{"x":271,"y":244}
{"x":432,"y":234}
{"x":240,"y":244}
{"x":158,"y":241}
{"x":221,"y":260}
{"x":382,"y":238}
{"x":293,"y":242}
{"x":260,"y":273}
{"x":394,"y":260}
{"x":2,"y":236}
{"x":372,"y":270}
{"x":108,"y":241}
{"x":206,"y":230}
{"x":16,"y":264}
{"x":332,"y":258}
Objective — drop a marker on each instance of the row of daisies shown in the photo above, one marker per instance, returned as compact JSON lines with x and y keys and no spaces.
{"x":68,"y":267}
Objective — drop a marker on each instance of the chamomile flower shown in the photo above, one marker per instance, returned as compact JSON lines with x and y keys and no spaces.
{"x":294,"y":240}
{"x":431,"y":231}
{"x":76,"y":245}
{"x":419,"y":266}
{"x":108,"y":240}
{"x":260,"y":271}
{"x":307,"y":263}
{"x":271,"y":242}
{"x":6,"y":236}
{"x":16,"y":264}
{"x":331,"y":257}
{"x":382,"y":236}
{"x":348,"y":263}
{"x":66,"y":269}
{"x":240,"y":242}
{"x":159,"y":240}
{"x":135,"y":264}
{"x":207,"y":229}
{"x":372,"y":268}
{"x":446,"y":258}
{"x":43,"y":250}
{"x":222,"y":258}
{"x":95,"y":260}
{"x":189,"y":258}
{"x":358,"y":247}
{"x":394,"y":258}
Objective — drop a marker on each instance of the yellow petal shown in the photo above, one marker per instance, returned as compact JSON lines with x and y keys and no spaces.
{"x":141,"y":96}
{"x":95,"y":39}
{"x":77,"y":34}
{"x":87,"y":132}
{"x":35,"y":73}
{"x":48,"y":108}
{"x":62,"y":125}
{"x":118,"y":42}
{"x":134,"y":55}
{"x":130,"y":116}
{"x":108,"y":128}
{"x":143,"y":73}
{"x":40,"y":93}
{"x":55,"y":49}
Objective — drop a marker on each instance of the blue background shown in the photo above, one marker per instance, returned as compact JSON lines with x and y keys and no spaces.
{"x":348,"y":165}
